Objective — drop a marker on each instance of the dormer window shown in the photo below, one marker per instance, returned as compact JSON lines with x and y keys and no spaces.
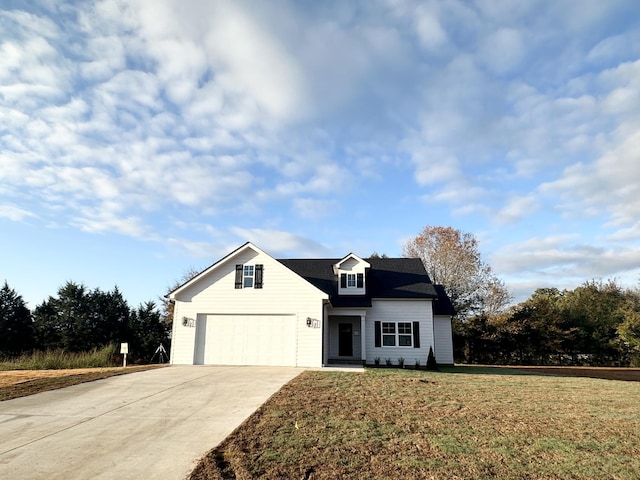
{"x":350,"y":272}
{"x":352,"y":280}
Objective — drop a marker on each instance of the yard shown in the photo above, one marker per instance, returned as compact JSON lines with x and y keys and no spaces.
{"x":20,"y":383}
{"x":461,"y":423}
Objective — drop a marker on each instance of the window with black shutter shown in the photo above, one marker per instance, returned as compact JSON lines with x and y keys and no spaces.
{"x":258,"y":276}
{"x":249,"y":276}
{"x":239,"y":270}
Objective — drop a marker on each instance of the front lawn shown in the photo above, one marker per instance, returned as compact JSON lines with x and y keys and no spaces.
{"x":387,"y":424}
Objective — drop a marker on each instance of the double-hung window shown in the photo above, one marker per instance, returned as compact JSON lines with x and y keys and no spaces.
{"x":397,"y":334}
{"x":388,"y":334}
{"x":404,"y":334}
{"x":248,"y":276}
{"x":352,"y":280}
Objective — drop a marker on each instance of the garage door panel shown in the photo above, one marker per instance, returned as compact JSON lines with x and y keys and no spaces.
{"x":249,"y":340}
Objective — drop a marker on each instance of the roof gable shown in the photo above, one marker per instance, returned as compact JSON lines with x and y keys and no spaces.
{"x":241,"y":255}
{"x":349,"y":262}
{"x":192,"y":281}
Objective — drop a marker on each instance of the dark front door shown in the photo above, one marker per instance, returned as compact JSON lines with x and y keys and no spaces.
{"x":345,"y":340}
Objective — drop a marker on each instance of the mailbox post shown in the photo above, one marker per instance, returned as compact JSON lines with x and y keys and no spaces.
{"x":124,"y":349}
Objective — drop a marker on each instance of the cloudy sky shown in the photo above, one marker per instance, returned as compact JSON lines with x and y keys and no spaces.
{"x":139,"y":139}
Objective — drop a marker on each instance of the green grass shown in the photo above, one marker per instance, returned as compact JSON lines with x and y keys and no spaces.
{"x":483,"y":424}
{"x":59,"y":359}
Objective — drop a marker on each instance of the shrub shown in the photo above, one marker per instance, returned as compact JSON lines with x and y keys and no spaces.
{"x":431,"y":360}
{"x":376,"y":361}
{"x":388,"y":362}
{"x":401,"y":362}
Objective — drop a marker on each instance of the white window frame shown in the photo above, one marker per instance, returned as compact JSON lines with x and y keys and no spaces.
{"x":248,"y":273}
{"x":352,"y":280}
{"x":397,"y":334}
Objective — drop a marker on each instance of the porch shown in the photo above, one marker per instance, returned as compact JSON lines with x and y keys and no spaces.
{"x":345,"y":340}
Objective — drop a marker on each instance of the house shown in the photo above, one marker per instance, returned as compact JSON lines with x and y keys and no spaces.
{"x":252,"y":309}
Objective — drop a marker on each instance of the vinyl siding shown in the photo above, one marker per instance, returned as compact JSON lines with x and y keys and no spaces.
{"x":443,"y":340}
{"x":400,"y":311}
{"x":283,"y":293}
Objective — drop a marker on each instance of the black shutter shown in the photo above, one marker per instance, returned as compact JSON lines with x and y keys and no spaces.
{"x":343,"y":280}
{"x":378,"y":329}
{"x":416,"y":334}
{"x":238,"y":276}
{"x":360,"y":280}
{"x":258,"y":274}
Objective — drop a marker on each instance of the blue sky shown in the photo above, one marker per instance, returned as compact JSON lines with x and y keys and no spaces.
{"x":139,"y":139}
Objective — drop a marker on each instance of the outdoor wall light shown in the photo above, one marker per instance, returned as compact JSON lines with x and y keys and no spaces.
{"x":309,"y":321}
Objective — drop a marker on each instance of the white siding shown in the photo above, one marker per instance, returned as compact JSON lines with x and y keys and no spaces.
{"x":283,"y":293}
{"x":443,"y":340}
{"x":400,"y":311}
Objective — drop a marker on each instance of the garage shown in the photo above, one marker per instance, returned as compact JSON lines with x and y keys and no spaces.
{"x":245,"y":340}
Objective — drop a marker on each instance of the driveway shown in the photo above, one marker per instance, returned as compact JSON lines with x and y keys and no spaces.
{"x":147,"y":425}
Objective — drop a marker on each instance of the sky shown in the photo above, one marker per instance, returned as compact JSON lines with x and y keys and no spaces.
{"x":142,"y":139}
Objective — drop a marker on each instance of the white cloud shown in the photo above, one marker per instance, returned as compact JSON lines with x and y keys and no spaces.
{"x":14,"y":213}
{"x":517,"y":207}
{"x":314,"y":208}
{"x":608,"y":185}
{"x":503,"y":50}
{"x":430,"y":32}
{"x":280,"y":243}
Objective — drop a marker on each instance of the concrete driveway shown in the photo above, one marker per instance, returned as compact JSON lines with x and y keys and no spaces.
{"x":146,"y":425}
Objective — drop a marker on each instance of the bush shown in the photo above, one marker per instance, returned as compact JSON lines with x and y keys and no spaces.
{"x":431,"y":360}
{"x":401,"y":362}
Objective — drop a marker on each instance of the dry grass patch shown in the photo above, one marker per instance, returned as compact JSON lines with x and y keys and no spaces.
{"x":439,"y":425}
{"x":20,"y":383}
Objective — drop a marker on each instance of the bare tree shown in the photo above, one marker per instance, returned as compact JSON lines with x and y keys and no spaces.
{"x":452,"y":259}
{"x":167,"y":305}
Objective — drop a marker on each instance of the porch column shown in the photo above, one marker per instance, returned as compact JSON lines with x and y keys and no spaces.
{"x":363,"y":341}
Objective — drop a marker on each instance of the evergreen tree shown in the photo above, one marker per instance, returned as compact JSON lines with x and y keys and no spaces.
{"x":147,"y":331}
{"x":16,"y":325}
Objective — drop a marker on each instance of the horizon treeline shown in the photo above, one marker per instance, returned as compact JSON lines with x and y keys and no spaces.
{"x":78,"y":319}
{"x":595,"y":324}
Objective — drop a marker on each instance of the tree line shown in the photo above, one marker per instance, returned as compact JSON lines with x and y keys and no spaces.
{"x":597,"y":323}
{"x":78,"y":319}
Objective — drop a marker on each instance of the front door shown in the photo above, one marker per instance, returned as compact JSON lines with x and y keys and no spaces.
{"x":345,"y":340}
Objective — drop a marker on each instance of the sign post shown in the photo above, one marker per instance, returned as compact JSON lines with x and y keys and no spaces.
{"x":124,"y":349}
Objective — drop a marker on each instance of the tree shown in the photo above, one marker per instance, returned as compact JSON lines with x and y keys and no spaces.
{"x":167,"y":305}
{"x":16,"y":325}
{"x":452,"y":259}
{"x":79,"y":320}
{"x":147,"y":331}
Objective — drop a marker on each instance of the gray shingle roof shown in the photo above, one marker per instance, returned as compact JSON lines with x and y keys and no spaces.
{"x":443,"y":305}
{"x":387,"y":278}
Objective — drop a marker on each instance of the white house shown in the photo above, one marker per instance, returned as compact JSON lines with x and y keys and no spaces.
{"x":252,"y":309}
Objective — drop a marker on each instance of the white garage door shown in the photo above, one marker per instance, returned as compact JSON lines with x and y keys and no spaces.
{"x":245,"y":340}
